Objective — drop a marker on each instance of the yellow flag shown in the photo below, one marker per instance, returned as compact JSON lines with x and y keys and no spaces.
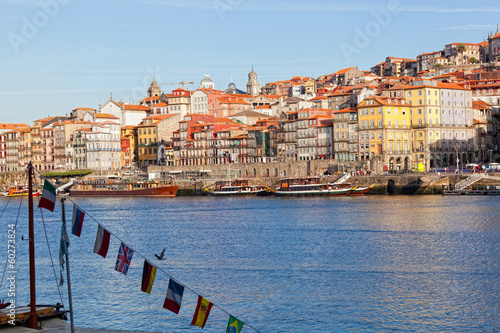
{"x":202,"y":311}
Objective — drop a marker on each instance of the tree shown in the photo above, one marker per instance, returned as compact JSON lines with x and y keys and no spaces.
{"x":473,"y":60}
{"x":461,"y":49}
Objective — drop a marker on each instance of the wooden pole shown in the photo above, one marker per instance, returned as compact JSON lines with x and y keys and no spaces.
{"x":70,"y":299}
{"x":33,"y":318}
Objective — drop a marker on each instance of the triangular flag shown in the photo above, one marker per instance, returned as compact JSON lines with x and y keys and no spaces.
{"x":63,"y":249}
{"x":102,"y":241}
{"x":48,"y":199}
{"x":202,"y":312}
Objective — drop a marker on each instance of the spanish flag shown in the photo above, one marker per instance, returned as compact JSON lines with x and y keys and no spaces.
{"x":148,"y":277}
{"x":234,"y":325}
{"x":202,"y":311}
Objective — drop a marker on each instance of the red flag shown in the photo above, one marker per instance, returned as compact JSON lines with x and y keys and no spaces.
{"x":102,"y":241}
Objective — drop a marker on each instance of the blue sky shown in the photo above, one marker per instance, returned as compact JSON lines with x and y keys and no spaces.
{"x":57,"y":55}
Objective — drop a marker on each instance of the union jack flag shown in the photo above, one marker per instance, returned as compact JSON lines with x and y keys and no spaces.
{"x":124,"y":258}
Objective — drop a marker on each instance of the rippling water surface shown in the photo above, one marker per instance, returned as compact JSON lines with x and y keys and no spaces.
{"x":368,"y":264}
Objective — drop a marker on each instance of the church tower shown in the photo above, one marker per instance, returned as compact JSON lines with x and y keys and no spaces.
{"x":154,"y":89}
{"x":252,"y":85}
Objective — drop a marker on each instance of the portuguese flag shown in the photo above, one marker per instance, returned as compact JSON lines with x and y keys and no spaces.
{"x":48,"y":200}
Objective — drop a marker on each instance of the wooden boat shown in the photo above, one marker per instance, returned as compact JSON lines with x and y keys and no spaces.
{"x":356,"y":191}
{"x":309,"y":187}
{"x":18,"y":191}
{"x":118,"y":187}
{"x":10,"y":313}
{"x":235,"y":187}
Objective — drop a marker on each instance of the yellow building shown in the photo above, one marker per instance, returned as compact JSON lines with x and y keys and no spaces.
{"x":384,"y":134}
{"x":129,"y":145}
{"x":441,"y":118}
{"x":424,"y":103}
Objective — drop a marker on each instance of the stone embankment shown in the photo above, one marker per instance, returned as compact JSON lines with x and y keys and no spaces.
{"x":192,"y":179}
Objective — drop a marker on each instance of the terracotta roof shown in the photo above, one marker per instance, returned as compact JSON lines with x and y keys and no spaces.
{"x":12,"y":126}
{"x":343,"y":71}
{"x":149,"y":99}
{"x":480,"y":105}
{"x":84,"y":109}
{"x":105,"y":115}
{"x":159,"y":105}
{"x":346,"y":110}
{"x":136,"y":107}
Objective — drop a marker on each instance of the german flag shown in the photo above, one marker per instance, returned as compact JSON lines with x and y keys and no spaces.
{"x":148,"y":277}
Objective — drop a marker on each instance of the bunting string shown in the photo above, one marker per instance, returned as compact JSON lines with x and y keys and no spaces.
{"x":232,"y":320}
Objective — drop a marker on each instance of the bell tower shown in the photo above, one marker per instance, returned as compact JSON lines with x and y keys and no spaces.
{"x":154,"y":89}
{"x":252,"y":85}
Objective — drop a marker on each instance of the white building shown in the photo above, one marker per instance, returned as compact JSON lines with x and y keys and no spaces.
{"x":103,"y":147}
{"x":128,"y":114}
{"x":199,"y":102}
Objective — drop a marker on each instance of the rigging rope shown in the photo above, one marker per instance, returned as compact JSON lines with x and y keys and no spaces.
{"x":51,"y":259}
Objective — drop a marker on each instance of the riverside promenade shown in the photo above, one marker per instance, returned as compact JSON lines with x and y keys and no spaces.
{"x":192,"y":179}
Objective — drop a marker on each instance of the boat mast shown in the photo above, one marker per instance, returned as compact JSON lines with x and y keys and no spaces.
{"x":67,"y":270}
{"x":33,"y":318}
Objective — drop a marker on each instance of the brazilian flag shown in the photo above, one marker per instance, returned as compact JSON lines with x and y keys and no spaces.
{"x":234,"y":325}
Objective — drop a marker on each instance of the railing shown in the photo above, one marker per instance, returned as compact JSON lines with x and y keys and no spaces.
{"x":469,"y":181}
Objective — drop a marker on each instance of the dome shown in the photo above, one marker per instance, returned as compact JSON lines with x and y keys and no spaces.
{"x":207,"y":79}
{"x":207,"y":82}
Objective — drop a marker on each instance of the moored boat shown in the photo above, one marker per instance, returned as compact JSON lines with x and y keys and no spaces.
{"x":235,"y":187}
{"x":18,"y":191}
{"x":360,"y":190}
{"x":309,"y":187}
{"x":118,"y":187}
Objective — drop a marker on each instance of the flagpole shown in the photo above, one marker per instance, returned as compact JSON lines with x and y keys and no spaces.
{"x":67,"y":272}
{"x":33,"y":317}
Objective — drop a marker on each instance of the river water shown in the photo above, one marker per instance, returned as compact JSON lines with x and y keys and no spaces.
{"x":366,"y":264}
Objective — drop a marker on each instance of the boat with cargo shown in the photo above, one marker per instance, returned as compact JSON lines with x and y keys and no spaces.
{"x":234,"y":187}
{"x":116,"y":186}
{"x":311,"y":186}
{"x":314,"y":186}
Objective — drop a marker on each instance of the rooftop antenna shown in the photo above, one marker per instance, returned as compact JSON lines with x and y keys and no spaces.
{"x":110,"y":96}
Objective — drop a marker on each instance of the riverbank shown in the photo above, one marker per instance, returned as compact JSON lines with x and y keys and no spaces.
{"x":414,"y":184}
{"x":406,"y":184}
